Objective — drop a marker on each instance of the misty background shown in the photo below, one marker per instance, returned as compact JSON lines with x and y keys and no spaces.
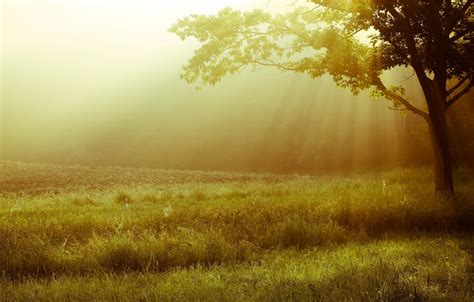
{"x":97,"y":83}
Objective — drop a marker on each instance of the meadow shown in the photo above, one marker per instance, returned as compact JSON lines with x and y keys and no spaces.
{"x":121,"y":234}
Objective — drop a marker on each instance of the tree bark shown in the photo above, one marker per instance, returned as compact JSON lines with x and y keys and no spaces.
{"x":441,"y":148}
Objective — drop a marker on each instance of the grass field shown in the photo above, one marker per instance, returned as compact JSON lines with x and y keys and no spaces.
{"x":117,"y":234}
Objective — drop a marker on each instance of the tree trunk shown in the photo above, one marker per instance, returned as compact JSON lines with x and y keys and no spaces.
{"x":440,"y":144}
{"x":436,"y":100}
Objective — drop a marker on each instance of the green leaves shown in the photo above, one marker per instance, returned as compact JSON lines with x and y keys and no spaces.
{"x":434,"y":37}
{"x":314,"y":42}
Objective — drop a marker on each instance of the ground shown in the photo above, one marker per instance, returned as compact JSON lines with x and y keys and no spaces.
{"x":101,"y":234}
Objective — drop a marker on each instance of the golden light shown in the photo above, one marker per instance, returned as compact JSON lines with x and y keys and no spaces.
{"x":106,"y":71}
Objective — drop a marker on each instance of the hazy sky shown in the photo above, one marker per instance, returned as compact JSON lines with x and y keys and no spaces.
{"x":102,"y":42}
{"x":97,"y":81}
{"x":128,"y":32}
{"x":120,"y":26}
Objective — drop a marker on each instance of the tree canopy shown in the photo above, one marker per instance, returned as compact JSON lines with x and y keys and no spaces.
{"x":352,"y":41}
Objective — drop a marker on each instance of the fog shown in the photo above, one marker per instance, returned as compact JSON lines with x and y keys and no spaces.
{"x":97,"y":83}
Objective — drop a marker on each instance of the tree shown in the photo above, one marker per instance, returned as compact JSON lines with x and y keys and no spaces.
{"x":354,"y":42}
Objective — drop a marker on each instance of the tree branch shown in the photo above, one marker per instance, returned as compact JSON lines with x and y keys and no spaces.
{"x":464,"y":9}
{"x":457,"y":86}
{"x":309,"y":10}
{"x":355,"y":32}
{"x":458,"y":96}
{"x":410,"y":39}
{"x":398,"y":98}
{"x":271,"y":63}
{"x":459,"y":35}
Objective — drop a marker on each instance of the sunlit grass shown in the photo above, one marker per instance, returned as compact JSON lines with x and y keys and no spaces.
{"x":392,"y":270}
{"x":385,"y":236}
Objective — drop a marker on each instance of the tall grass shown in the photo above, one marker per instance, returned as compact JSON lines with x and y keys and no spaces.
{"x":430,"y":269}
{"x":160,"y":228}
